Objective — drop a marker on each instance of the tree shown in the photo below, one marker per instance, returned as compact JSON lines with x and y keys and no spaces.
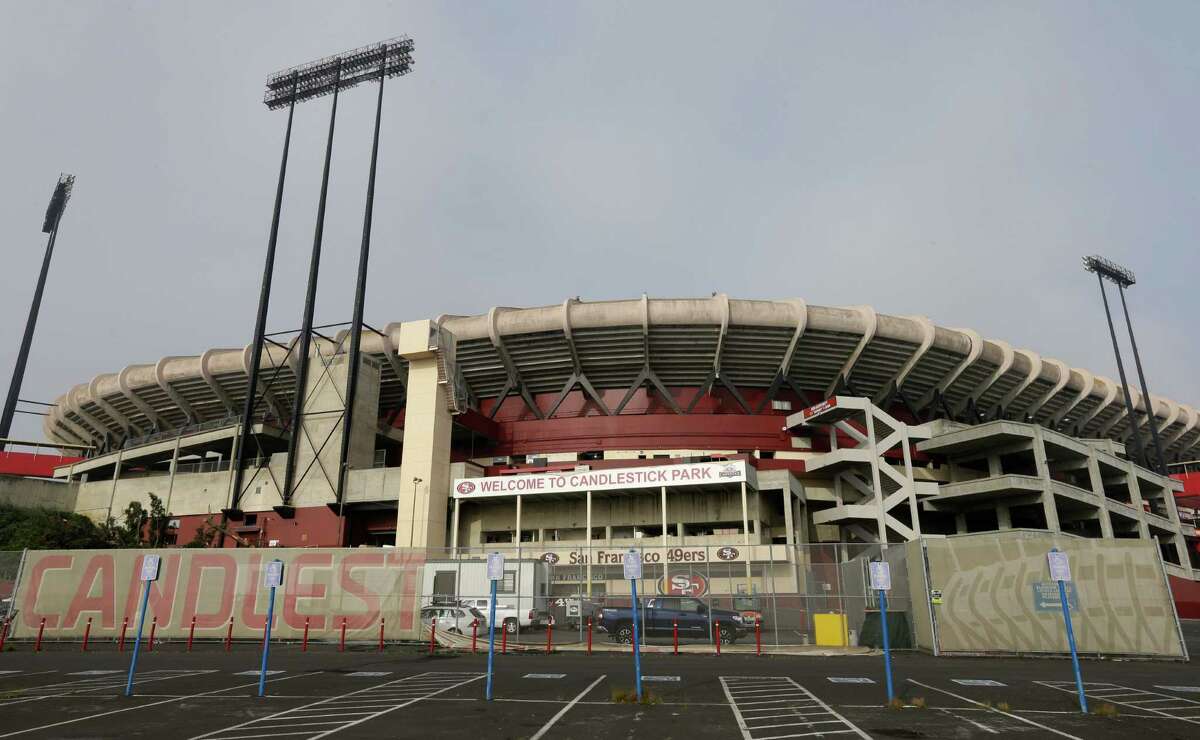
{"x":44,"y":529}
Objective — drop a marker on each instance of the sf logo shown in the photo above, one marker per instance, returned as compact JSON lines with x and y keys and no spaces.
{"x":727,"y":553}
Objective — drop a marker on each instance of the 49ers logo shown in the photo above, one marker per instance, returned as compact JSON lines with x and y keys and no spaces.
{"x":683,"y":585}
{"x":466,"y":487}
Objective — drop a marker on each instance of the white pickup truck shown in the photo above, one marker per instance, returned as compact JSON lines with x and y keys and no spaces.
{"x":511,"y":618}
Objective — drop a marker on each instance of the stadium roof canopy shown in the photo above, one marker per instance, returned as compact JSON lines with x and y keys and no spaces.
{"x":685,"y":341}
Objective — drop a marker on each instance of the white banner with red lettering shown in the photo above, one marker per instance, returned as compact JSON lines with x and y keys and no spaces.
{"x":611,"y":479}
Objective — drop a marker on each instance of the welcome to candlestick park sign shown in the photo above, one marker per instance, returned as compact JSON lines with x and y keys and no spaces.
{"x":612,"y":479}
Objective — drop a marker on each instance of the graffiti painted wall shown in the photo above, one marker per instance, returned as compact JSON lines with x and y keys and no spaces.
{"x":322,"y":586}
{"x":992,"y":593}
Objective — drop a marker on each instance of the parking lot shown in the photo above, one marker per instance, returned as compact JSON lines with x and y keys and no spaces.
{"x":404,"y":692}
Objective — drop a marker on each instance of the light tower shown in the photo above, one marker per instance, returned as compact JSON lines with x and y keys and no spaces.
{"x":326,"y":76}
{"x":54,"y":214}
{"x":1123,"y":278}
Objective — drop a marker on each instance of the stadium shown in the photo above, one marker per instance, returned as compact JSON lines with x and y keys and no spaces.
{"x":621,"y":385}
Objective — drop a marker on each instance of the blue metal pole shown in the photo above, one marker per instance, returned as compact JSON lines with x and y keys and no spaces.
{"x":637,"y":651}
{"x":262,"y":671}
{"x":491,"y":639}
{"x":887,"y":650}
{"x":137,"y":643}
{"x":1066,"y":609}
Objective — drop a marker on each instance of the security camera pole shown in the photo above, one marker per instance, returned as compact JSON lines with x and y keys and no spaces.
{"x":54,"y":214}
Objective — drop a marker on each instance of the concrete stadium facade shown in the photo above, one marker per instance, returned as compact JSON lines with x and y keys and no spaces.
{"x":976,"y":435}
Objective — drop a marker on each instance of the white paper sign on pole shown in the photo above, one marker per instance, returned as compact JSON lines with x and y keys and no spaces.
{"x":495,"y":566}
{"x":273,"y":575}
{"x":633,"y":565}
{"x":1060,"y":569}
{"x":150,"y":565}
{"x":881,"y":575}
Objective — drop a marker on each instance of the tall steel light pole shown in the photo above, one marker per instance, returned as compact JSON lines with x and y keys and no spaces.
{"x":260,"y":320}
{"x":325,"y":76}
{"x":54,"y":214}
{"x":1123,"y":278}
{"x":360,"y":290}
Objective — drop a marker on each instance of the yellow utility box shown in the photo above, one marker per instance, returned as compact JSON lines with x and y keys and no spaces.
{"x":831,"y":630}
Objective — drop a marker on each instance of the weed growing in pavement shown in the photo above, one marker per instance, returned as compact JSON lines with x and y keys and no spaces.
{"x":1106,"y":710}
{"x":917,"y":702}
{"x":629,"y":696}
{"x":1004,"y":707}
{"x":896,"y":703}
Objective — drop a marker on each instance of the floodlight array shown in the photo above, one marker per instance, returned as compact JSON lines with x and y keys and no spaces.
{"x":58,"y":201}
{"x":339,"y":71}
{"x":1111,"y":270}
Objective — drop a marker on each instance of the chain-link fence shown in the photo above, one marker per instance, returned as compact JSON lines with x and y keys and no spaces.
{"x":693,"y":596}
{"x":773,"y":595}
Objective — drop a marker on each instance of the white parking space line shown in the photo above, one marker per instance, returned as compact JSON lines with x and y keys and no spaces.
{"x":977,"y":682}
{"x":545,"y":675}
{"x":1182,"y":689}
{"x":849,"y":679}
{"x":660,"y":678}
{"x":94,"y":683}
{"x":369,"y":674}
{"x":755,"y":714}
{"x":1026,"y":720}
{"x":977,"y":725}
{"x":567,"y":708}
{"x":1159,"y":704}
{"x":348,"y":710}
{"x":151,"y":704}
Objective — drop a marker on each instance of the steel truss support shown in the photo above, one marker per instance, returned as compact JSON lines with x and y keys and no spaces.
{"x":647,"y":376}
{"x":310,"y":300}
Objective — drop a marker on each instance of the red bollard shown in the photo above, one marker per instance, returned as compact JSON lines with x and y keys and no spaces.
{"x":675,"y":635}
{"x":589,"y":636}
{"x":3,"y":634}
{"x":717,"y":635}
{"x":37,"y":646}
{"x":549,"y":638}
{"x":381,"y":634}
{"x":433,"y":636}
{"x":229,"y":636}
{"x":121,"y":642}
{"x":87,"y":631}
{"x":153,"y":629}
{"x":757,"y":636}
{"x":191,"y":634}
{"x":304,"y":645}
{"x":504,"y":641}
{"x":342,"y":644}
{"x":474,"y":634}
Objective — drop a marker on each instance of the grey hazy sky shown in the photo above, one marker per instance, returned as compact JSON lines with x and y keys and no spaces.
{"x":947,"y":159}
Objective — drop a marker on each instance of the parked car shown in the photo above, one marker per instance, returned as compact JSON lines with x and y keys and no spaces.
{"x":509,"y":617}
{"x":660,"y":615}
{"x":453,"y":618}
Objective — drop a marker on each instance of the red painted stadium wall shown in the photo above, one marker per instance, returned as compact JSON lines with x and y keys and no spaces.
{"x":32,"y":465}
{"x":313,"y":526}
{"x":1187,"y":597}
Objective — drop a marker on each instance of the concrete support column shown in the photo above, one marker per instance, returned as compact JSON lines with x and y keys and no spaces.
{"x":588,"y":541}
{"x":960,"y":523}
{"x":237,"y":433}
{"x":1003,"y":517}
{"x":112,"y":496}
{"x":746,"y":535}
{"x":1043,"y":471}
{"x":517,"y":535}
{"x":171,"y":475}
{"x":454,"y":526}
{"x":994,"y":466}
{"x":425,"y":464}
{"x":665,"y":543}
{"x":788,"y":520}
{"x":1096,"y":483}
{"x":1135,"y":499}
